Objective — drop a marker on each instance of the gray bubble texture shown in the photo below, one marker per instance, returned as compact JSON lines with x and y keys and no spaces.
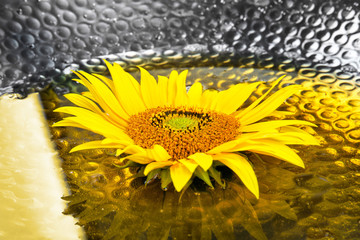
{"x":40,"y":40}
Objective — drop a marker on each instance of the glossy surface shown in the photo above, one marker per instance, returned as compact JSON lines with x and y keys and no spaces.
{"x":41,"y":41}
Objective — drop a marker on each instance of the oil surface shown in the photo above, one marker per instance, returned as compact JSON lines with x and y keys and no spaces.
{"x":319,"y":202}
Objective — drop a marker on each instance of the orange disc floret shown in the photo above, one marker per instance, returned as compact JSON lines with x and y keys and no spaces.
{"x":182,"y":131}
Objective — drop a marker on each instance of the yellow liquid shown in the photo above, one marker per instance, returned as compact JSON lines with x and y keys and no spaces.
{"x":321,"y":201}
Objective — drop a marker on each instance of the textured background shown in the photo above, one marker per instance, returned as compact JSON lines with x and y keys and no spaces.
{"x":42,"y":40}
{"x":316,"y":43}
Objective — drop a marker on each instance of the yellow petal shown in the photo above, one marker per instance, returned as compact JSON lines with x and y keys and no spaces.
{"x":68,"y":122}
{"x":94,"y":122}
{"x":194,"y":94}
{"x":82,"y":101}
{"x":89,"y":104}
{"x":127,"y":90}
{"x":141,"y":158}
{"x":204,"y":160}
{"x":231,"y":99}
{"x":180,"y":175}
{"x":269,"y":105}
{"x":117,"y":141}
{"x":231,"y":145}
{"x":280,"y":113}
{"x":104,"y":97}
{"x":274,"y":124}
{"x":133,"y":149}
{"x":94,"y":145}
{"x":172,"y":87}
{"x":307,"y":138}
{"x":254,"y":104}
{"x":163,"y":92}
{"x":158,"y":153}
{"x":156,"y":165}
{"x":88,"y":95}
{"x":209,"y":99}
{"x":149,"y":89}
{"x":288,"y":138}
{"x":241,"y":167}
{"x":225,"y":147}
{"x":190,"y":164}
{"x":106,"y":80}
{"x":272,"y":148}
{"x":181,"y":95}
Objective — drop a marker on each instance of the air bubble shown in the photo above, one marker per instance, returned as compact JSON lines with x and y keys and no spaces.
{"x":80,"y":3}
{"x":327,"y":9}
{"x":83,"y":29}
{"x":11,"y":43}
{"x":14,"y":27}
{"x":158,"y":23}
{"x":332,"y":49}
{"x":139,"y":24}
{"x":63,"y":4}
{"x":109,"y":14}
{"x":44,"y":6}
{"x":127,"y":12}
{"x":50,"y":20}
{"x":33,"y":23}
{"x":102,"y":27}
{"x":45,"y":35}
{"x":69,"y":17}
{"x":63,"y":32}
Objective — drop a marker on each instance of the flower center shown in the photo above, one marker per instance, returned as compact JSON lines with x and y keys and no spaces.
{"x":182,"y":131}
{"x":181,"y":123}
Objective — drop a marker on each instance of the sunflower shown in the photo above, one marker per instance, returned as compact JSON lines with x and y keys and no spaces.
{"x":178,"y":134}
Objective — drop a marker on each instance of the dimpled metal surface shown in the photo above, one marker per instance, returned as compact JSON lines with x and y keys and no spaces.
{"x":316,"y":43}
{"x":41,"y":40}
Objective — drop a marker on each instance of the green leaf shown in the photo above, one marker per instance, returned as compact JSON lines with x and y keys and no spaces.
{"x":187,"y":185}
{"x":203,"y":175}
{"x":165,"y":178}
{"x":217,"y":176}
{"x":128,"y":164}
{"x":140,"y":173}
{"x":152,"y":175}
{"x":283,"y":209}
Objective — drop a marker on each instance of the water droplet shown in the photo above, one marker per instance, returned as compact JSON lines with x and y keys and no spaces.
{"x":19,"y":11}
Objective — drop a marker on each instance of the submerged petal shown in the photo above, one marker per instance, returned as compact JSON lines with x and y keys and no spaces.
{"x":242,"y":168}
